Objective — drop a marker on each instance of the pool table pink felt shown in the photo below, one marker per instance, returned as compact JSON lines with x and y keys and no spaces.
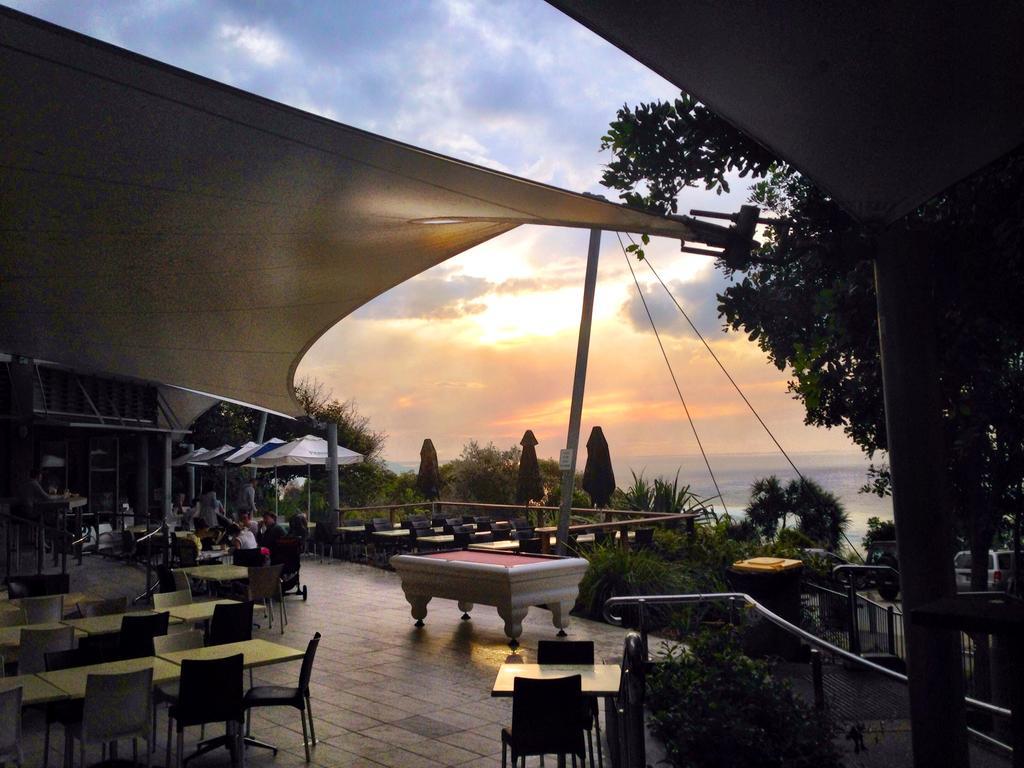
{"x":510,"y":582}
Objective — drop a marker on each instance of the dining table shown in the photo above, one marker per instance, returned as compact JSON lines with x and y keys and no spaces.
{"x":255,"y":653}
{"x":596,"y":680}
{"x":10,"y":637}
{"x":222,"y":572}
{"x":108,"y":624}
{"x":193,"y":613}
{"x":34,"y":690}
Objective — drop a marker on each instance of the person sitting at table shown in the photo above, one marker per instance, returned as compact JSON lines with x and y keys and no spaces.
{"x":245,"y":521}
{"x":207,"y":536}
{"x":240,"y":538}
{"x":271,"y":530}
{"x":298,"y":527}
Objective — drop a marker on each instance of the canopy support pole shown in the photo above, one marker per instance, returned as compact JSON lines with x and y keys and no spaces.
{"x":260,"y":432}
{"x":166,"y":501}
{"x":572,"y":443}
{"x":333,"y":498}
{"x":309,"y":490}
{"x":924,"y":525}
{"x":277,"y":491}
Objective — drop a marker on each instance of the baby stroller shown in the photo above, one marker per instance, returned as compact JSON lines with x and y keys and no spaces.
{"x":286,"y":551}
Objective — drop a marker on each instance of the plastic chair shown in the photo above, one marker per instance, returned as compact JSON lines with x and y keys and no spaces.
{"x":10,"y":726}
{"x":64,"y":713}
{"x":181,"y":580}
{"x":13,"y":617}
{"x":576,"y":652}
{"x":167,"y":693}
{"x":231,"y":623}
{"x":265,"y":586}
{"x":210,"y":692}
{"x":137,"y":633}
{"x":41,"y":610}
{"x":164,"y":600}
{"x":643,"y":539}
{"x":282,"y":696}
{"x":116,"y":707}
{"x":104,"y":607}
{"x":545,"y":719}
{"x":36,"y":643}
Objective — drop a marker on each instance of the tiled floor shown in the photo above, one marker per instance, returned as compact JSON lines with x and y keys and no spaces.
{"x":384,"y":692}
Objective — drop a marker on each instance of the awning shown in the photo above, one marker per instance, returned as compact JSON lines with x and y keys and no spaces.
{"x":159,"y":225}
{"x":882,"y":104}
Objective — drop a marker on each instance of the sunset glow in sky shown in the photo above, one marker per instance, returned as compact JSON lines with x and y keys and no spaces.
{"x":483,"y":346}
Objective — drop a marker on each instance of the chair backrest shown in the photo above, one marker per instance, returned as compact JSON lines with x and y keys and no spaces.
{"x":36,"y":643}
{"x":210,"y":691}
{"x":104,"y":607}
{"x":166,"y":577}
{"x":185,"y":552}
{"x":265,"y":582}
{"x":644,"y":538}
{"x":117,"y":706}
{"x":13,"y":617}
{"x":530,"y":546}
{"x":250,"y":558}
{"x":178,"y":641}
{"x":307,"y":664}
{"x":547,"y":716}
{"x":501,"y":533}
{"x":462,"y":539}
{"x":40,"y":610}
{"x":137,"y":633}
{"x":231,"y":623}
{"x":565,"y":652}
{"x":181,"y":580}
{"x":286,"y":551}
{"x":10,"y":725}
{"x":380,"y":524}
{"x":164,"y":600}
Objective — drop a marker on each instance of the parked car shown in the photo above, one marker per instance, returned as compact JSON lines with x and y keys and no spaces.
{"x":885,"y":553}
{"x":1000,"y":569}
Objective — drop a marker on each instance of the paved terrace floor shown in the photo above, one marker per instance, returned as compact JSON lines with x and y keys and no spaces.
{"x":384,"y":692}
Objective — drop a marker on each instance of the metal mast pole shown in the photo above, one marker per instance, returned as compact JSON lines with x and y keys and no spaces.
{"x":578,"y":385}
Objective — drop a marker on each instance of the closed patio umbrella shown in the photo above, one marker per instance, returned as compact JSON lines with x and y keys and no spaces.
{"x":598,"y":477}
{"x":528,"y":485}
{"x":428,"y":479}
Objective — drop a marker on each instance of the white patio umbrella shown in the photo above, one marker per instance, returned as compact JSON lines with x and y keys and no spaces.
{"x":309,"y":450}
{"x":212,"y":457}
{"x":252,"y":449}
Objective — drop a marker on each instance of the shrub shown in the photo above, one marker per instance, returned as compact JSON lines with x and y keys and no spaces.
{"x":615,"y":572}
{"x":714,"y":707}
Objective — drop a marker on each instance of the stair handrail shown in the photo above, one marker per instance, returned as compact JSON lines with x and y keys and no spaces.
{"x":733,"y":598}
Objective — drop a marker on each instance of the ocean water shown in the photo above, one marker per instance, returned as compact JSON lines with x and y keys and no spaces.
{"x":839,"y":473}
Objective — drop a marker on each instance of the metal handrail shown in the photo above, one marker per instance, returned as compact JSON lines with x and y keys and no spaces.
{"x":732,"y":597}
{"x":150,"y":534}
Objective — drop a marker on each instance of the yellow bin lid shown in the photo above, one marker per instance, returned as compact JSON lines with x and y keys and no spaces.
{"x":766,"y":564}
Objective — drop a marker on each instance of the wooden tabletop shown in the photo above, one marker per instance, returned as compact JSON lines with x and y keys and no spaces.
{"x":351,"y":528}
{"x":596,"y":679}
{"x":505,"y":544}
{"x":395,"y":533}
{"x":216,"y":572}
{"x":72,"y":681}
{"x":194,"y":612}
{"x":35,"y":690}
{"x":257,"y":653}
{"x":106,"y":625}
{"x":10,"y":637}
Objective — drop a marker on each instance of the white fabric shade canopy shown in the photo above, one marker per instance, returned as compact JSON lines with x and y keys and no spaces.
{"x":246,"y":452}
{"x":212,"y":456}
{"x":162,"y":226}
{"x":882,"y":104}
{"x":305,"y":451}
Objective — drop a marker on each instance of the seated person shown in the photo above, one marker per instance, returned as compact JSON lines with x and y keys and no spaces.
{"x":298,"y":527}
{"x":240,"y":538}
{"x":245,"y":521}
{"x":208,"y":537}
{"x":271,"y":530}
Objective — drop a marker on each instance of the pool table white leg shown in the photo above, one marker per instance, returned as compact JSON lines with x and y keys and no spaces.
{"x":560,"y":616}
{"x":418,"y":603}
{"x":465,"y":607}
{"x":513,"y":618}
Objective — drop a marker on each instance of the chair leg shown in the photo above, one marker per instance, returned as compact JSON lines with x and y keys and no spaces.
{"x":305,"y":736}
{"x":590,"y":749}
{"x":152,"y":731}
{"x":168,"y":761}
{"x":135,"y":750}
{"x":181,"y":746}
{"x":46,"y":747}
{"x":504,"y":754}
{"x":309,"y":714}
{"x":268,"y":609}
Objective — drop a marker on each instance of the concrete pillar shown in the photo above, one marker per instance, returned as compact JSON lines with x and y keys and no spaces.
{"x":168,"y":452}
{"x":333,"y":501}
{"x":22,"y":455}
{"x":924,"y":526}
{"x":572,"y":443}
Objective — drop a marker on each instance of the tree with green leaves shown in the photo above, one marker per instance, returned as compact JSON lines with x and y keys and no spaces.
{"x":806,"y":294}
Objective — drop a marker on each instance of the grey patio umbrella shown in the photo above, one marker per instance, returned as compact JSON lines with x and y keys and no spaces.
{"x":528,"y":485}
{"x":428,"y":479}
{"x":598,"y":476}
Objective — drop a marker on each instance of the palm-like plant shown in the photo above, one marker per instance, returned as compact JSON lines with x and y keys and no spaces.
{"x":822,"y":516}
{"x":640,"y":495}
{"x":671,"y":498}
{"x":770,"y":505}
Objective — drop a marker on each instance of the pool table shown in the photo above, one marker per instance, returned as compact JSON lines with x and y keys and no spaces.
{"x":509,"y":581}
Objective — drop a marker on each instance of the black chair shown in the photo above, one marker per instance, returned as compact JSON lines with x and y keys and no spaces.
{"x":64,"y":713}
{"x":576,"y":652}
{"x":248,"y":558}
{"x":137,"y":633}
{"x":211,"y":692}
{"x":530,"y":546}
{"x":644,"y":538}
{"x":287,"y":551}
{"x":283,"y":696}
{"x":231,"y":623}
{"x":545,"y":720}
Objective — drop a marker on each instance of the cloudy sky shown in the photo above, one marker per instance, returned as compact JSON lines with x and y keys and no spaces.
{"x":482,"y":347}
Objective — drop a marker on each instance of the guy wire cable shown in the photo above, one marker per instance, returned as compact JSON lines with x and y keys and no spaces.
{"x":679,"y":392}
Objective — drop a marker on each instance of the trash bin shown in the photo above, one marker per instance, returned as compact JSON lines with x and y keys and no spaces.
{"x":775,"y":583}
